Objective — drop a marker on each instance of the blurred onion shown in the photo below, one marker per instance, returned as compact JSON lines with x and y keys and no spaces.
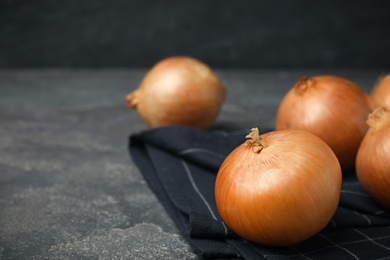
{"x":333,"y":108}
{"x":373,"y":158}
{"x":179,"y":90}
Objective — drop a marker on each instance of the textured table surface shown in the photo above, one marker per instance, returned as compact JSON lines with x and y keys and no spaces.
{"x":68,"y":187}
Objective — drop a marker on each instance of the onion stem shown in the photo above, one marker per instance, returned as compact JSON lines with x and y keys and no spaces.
{"x":378,"y":116}
{"x":303,"y":84}
{"x":255,"y":141}
{"x":132,"y":99}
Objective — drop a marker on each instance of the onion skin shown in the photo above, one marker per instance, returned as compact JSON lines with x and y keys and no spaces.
{"x":333,"y":108}
{"x":373,"y":158}
{"x":281,"y":190}
{"x":380,"y":95}
{"x":179,"y":90}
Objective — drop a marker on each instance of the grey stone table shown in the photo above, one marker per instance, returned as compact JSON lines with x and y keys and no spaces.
{"x":68,"y":187}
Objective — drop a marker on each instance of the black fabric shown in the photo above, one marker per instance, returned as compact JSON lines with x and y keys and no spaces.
{"x":180,"y":166}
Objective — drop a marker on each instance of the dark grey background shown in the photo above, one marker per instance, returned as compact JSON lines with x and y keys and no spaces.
{"x":225,"y":34}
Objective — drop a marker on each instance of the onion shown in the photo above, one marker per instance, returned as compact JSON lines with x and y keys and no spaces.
{"x":333,"y":108}
{"x":380,"y":94}
{"x":373,"y":158}
{"x":279,"y":188}
{"x":179,"y":91}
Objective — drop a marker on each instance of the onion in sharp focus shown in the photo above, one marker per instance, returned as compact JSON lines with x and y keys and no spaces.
{"x":333,"y":108}
{"x":373,"y":158}
{"x":380,"y":94}
{"x":179,"y":90}
{"x":280,"y":188}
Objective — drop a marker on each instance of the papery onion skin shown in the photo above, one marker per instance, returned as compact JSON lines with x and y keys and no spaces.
{"x":331,"y":107}
{"x":281,"y":193}
{"x":380,"y":95}
{"x":373,"y":158}
{"x":179,"y":90}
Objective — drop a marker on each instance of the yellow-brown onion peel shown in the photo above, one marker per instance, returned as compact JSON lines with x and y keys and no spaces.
{"x":279,"y":188}
{"x":331,"y":107}
{"x":380,"y":95}
{"x":179,"y":90}
{"x":373,"y":158}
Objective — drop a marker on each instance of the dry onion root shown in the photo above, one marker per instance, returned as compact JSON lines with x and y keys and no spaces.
{"x":373,"y":158}
{"x":181,"y":91}
{"x":380,"y":94}
{"x":279,"y":188}
{"x":333,"y":108}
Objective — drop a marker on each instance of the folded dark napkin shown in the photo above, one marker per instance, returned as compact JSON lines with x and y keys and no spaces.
{"x":180,"y":166}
